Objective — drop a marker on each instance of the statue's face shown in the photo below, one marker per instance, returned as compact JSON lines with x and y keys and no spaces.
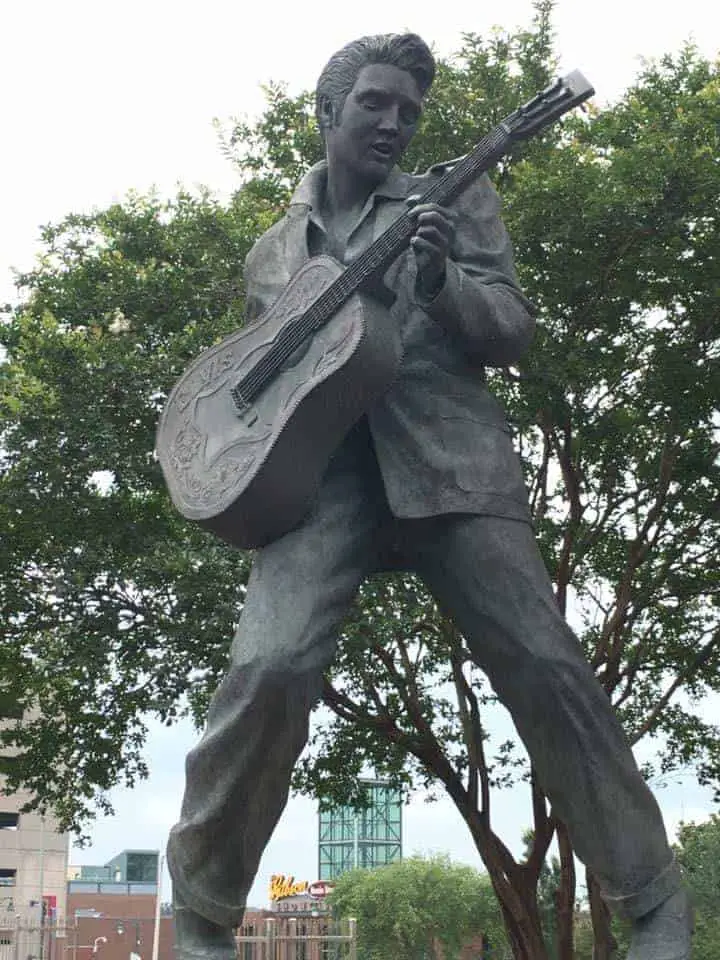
{"x":377,"y":121}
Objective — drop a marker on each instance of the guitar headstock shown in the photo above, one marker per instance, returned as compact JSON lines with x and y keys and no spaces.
{"x":548,"y":105}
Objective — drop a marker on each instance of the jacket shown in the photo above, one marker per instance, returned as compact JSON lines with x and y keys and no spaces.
{"x":442,"y":441}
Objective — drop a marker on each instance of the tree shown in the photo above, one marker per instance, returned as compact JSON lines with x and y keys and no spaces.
{"x":418,"y":909}
{"x":113,"y":608}
{"x":699,"y":855}
{"x":548,"y":885}
{"x":698,"y":851}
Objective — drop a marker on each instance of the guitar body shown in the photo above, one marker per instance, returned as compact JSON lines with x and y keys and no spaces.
{"x":250,"y":476}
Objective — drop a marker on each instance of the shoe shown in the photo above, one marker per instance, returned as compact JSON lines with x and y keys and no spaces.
{"x":199,"y":939}
{"x":664,"y":933}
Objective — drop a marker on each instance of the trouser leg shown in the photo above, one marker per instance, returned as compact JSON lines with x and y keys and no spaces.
{"x":238,"y":775}
{"x":487,"y":573}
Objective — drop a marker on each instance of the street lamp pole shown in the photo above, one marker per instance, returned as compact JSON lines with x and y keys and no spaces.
{"x":41,"y":881}
{"x":156,"y":932}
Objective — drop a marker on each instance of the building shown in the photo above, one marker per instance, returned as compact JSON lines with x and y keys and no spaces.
{"x":347,"y":838}
{"x":124,"y":888}
{"x":369,"y":837}
{"x":112,"y":909}
{"x":94,"y":938}
{"x":33,"y":862}
{"x":33,"y":850}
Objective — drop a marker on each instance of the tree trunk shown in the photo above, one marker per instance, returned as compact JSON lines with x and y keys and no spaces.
{"x":605,"y":944}
{"x":565,"y":897}
{"x":522,"y":922}
{"x":514,"y":886}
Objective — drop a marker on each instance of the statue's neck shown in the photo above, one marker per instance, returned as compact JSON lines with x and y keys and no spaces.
{"x":345,"y":193}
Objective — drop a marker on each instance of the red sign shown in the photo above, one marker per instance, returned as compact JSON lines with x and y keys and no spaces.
{"x":320,"y":889}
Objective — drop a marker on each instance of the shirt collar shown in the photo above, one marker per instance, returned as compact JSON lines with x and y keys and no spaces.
{"x":311,"y":188}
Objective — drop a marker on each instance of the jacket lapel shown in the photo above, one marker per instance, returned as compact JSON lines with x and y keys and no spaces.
{"x":295,"y":237}
{"x":386,"y":213}
{"x":390,"y":201}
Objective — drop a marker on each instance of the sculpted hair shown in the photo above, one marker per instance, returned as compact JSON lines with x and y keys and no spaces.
{"x":407,"y":51}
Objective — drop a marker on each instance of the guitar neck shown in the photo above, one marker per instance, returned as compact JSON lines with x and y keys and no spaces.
{"x":377,"y":258}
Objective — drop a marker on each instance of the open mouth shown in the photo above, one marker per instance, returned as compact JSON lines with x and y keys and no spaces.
{"x":382,"y":150}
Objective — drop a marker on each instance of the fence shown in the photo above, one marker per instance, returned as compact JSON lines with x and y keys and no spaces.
{"x":292,"y":939}
{"x":28,"y":941}
{"x":268,"y":939}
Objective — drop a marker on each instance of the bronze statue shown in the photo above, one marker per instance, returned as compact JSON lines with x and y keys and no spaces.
{"x":427,"y":480}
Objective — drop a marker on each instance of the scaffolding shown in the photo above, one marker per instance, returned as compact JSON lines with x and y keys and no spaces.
{"x":370,"y":837}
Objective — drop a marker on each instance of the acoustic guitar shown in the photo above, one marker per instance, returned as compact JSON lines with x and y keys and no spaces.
{"x":248,"y":430}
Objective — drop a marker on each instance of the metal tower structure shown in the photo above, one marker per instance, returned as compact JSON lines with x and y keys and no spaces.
{"x":370,"y":837}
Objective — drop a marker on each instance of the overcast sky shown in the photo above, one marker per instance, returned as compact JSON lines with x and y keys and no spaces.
{"x":99,"y":98}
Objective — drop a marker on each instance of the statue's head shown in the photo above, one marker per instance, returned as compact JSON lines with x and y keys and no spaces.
{"x":406,"y":51}
{"x":369,"y":101}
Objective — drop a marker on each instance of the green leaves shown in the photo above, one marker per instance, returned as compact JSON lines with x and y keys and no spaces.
{"x":418,"y":908}
{"x":112,"y":606}
{"x":698,"y":852}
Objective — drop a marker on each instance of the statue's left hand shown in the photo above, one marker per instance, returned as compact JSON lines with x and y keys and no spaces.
{"x":431,"y":243}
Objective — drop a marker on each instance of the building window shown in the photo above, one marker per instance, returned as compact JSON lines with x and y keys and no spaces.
{"x":7,"y":877}
{"x":9,"y":821}
{"x":141,"y":867}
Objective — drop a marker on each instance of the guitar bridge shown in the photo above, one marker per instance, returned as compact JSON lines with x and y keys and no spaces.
{"x":242,"y":406}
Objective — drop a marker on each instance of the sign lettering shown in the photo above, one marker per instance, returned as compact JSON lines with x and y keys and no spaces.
{"x":282,"y":886}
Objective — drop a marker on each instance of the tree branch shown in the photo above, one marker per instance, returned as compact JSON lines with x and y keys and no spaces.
{"x":698,"y":661}
{"x":472,"y":729}
{"x":611,"y":635}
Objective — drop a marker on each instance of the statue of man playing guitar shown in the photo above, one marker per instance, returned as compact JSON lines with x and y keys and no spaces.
{"x":427,"y":481}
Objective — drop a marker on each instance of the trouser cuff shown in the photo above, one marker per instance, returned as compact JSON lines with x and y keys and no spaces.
{"x":636,"y":905}
{"x":186,"y":894}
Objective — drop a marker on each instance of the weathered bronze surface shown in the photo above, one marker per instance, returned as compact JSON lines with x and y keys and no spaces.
{"x":428,"y":478}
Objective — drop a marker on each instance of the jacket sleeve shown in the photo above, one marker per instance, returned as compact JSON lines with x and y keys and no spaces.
{"x":480,"y":302}
{"x":264,"y":274}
